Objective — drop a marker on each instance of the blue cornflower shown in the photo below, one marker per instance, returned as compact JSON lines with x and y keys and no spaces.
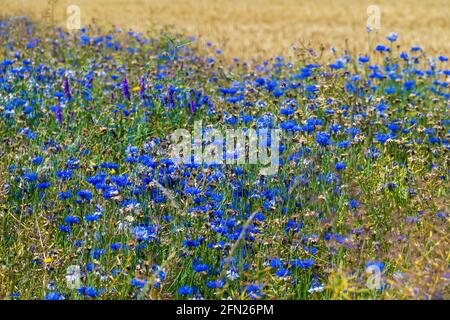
{"x":191,"y":243}
{"x":340,"y":166}
{"x":125,"y":88}
{"x":303,"y":264}
{"x":185,"y":290}
{"x":30,"y":177}
{"x":282,"y":272}
{"x":85,"y":195}
{"x":381,"y":48}
{"x":71,"y":220}
{"x":377,"y":264}
{"x":89,"y":292}
{"x":97,"y":253}
{"x":363,"y":59}
{"x":92,"y":217}
{"x":392,"y":37}
{"x":199,"y":267}
{"x":323,"y":138}
{"x":138,"y":283}
{"x":64,"y":174}
{"x":66,"y":88}
{"x":43,"y":185}
{"x":143,"y":233}
{"x":215,"y":284}
{"x":38,"y":160}
{"x":382,"y":138}
{"x":275,"y":263}
{"x":254,"y":291}
{"x":343,"y":144}
{"x":409,"y":85}
{"x":64,"y":228}
{"x":109,"y":165}
{"x":54,"y":296}
{"x":353,"y":204}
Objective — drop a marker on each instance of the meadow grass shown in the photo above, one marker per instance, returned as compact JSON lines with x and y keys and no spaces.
{"x":86,"y":178}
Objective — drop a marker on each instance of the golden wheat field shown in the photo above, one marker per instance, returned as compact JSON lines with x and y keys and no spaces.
{"x":136,"y":164}
{"x":262,"y":28}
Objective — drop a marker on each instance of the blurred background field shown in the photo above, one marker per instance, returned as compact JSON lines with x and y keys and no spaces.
{"x":261,"y":28}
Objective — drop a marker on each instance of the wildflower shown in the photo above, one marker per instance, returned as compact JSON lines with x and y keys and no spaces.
{"x":66,"y":88}
{"x":198,"y":267}
{"x":84,"y":195}
{"x":97,"y":253}
{"x":316,"y":287}
{"x":254,"y":291}
{"x":215,"y":284}
{"x":353,"y":204}
{"x":377,"y":264}
{"x":43,"y":185}
{"x":89,"y":292}
{"x":191,"y":243}
{"x":37,"y":160}
{"x":323,"y":138}
{"x":382,"y":138}
{"x":409,"y":85}
{"x":232,"y":274}
{"x":58,"y":113}
{"x":303,"y":264}
{"x":381,"y":48}
{"x":64,"y":195}
{"x":363,"y":59}
{"x":340,"y":166}
{"x":186,"y":290}
{"x":54,"y":296}
{"x":64,"y":228}
{"x":142,"y":88}
{"x":392,"y":37}
{"x":125,"y":88}
{"x":138,"y":283}
{"x":71,"y":220}
{"x":92,"y":217}
{"x":143,"y":233}
{"x":192,"y":107}
{"x":343,"y":144}
{"x":64,"y":174}
{"x":282,"y":273}
{"x":109,"y":165}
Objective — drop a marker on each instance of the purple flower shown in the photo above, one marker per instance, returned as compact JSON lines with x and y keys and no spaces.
{"x":170,"y":99}
{"x":142,"y":88}
{"x":125,"y":89}
{"x":193,"y":108}
{"x":58,"y":113}
{"x":66,"y":88}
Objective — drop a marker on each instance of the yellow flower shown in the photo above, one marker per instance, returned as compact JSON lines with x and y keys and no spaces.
{"x":48,"y":260}
{"x":137,"y":88}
